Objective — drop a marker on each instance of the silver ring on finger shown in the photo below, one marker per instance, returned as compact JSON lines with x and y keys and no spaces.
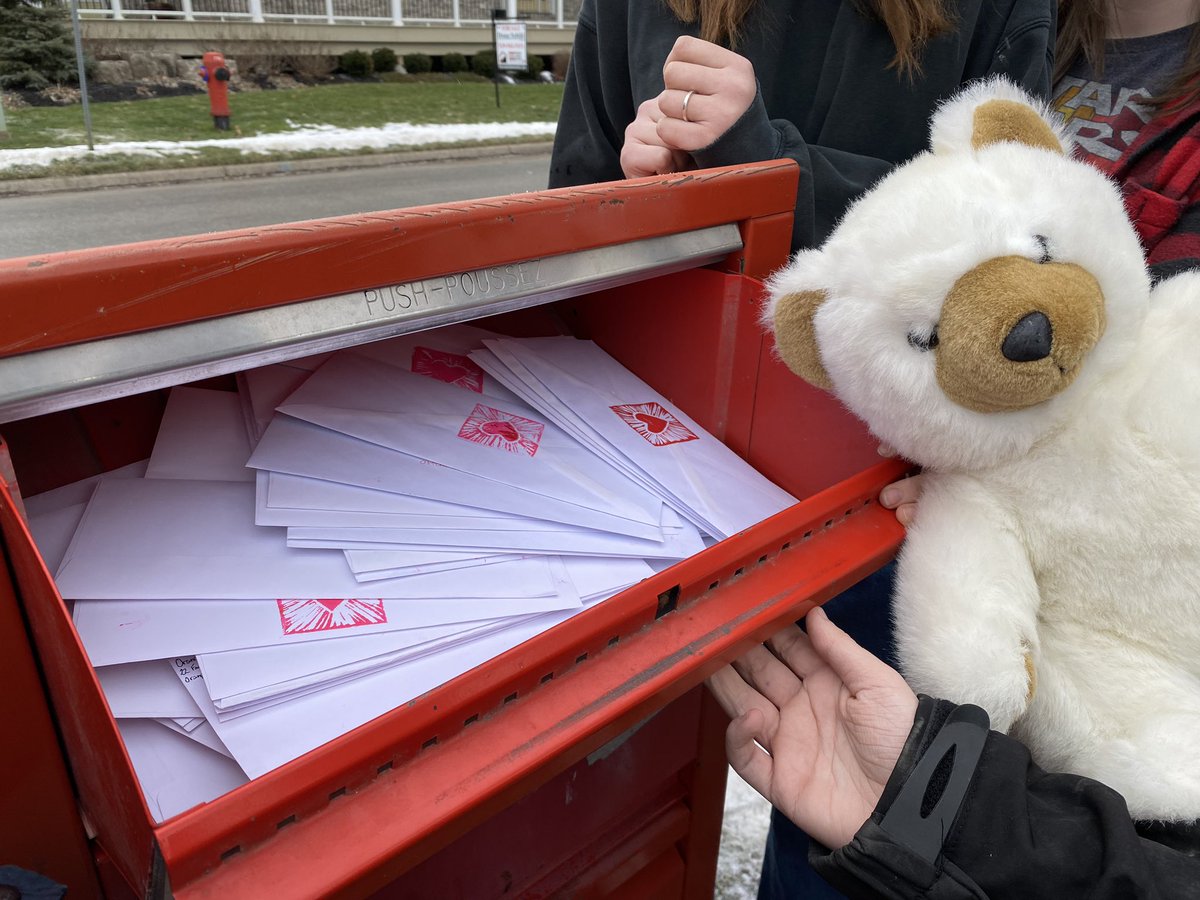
{"x":687,"y":98}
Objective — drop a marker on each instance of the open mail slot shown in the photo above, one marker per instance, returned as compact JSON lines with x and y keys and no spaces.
{"x":665,"y":276}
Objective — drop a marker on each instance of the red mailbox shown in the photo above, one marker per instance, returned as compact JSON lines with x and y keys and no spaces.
{"x":215,"y":73}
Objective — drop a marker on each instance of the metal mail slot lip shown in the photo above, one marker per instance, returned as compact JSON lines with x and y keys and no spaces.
{"x":58,"y":378}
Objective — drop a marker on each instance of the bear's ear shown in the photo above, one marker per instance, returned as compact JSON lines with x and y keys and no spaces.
{"x":796,"y":336}
{"x":992,"y":112}
{"x":997,"y":121}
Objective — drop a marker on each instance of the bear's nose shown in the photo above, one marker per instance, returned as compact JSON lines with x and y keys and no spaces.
{"x":1029,"y":340}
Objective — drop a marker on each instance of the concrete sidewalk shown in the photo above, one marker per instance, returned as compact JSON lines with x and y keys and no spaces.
{"x":28,"y":186}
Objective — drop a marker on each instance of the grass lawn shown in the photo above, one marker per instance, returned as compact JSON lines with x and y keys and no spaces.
{"x":266,"y":112}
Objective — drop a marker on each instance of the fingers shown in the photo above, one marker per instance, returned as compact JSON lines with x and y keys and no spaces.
{"x":903,"y":497}
{"x":693,"y":50}
{"x":768,"y":675}
{"x":743,"y":741}
{"x":906,"y":490}
{"x":858,"y":668}
{"x":794,"y":648}
{"x":682,"y":105}
{"x":735,"y":695}
{"x":684,"y":77}
{"x":643,"y":153}
{"x":719,"y":86}
{"x":639,"y":160}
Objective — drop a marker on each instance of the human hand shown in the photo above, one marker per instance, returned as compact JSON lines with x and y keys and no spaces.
{"x":818,"y":725}
{"x":644,"y":152}
{"x":722,"y":87}
{"x":902,"y":495}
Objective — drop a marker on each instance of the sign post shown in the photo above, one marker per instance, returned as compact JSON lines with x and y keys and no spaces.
{"x":508,"y":42}
{"x":83,"y":85}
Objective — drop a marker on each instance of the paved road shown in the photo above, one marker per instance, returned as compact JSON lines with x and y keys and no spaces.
{"x":73,"y":220}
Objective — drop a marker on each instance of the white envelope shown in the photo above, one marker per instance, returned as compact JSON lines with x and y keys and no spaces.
{"x":54,"y":515}
{"x":502,"y":364}
{"x":202,"y":734}
{"x":145,"y":690}
{"x":168,"y":539}
{"x":245,"y":676}
{"x":435,"y":421}
{"x":441,"y":354}
{"x":263,"y":740}
{"x":596,"y":578}
{"x":290,"y":492}
{"x":403,"y":571}
{"x":511,"y":372}
{"x":77,"y":492}
{"x":53,"y":529}
{"x":294,"y":500}
{"x":677,"y":545}
{"x":294,"y":447}
{"x":261,"y":390}
{"x":469,"y":561}
{"x":260,"y":699}
{"x":118,"y":631}
{"x":264,"y":388}
{"x":202,"y":437}
{"x":725,"y":493}
{"x":175,"y":772}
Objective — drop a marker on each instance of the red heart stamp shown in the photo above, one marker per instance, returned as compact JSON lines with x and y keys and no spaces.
{"x":303,"y":616}
{"x":506,"y":430}
{"x":451,"y":368}
{"x":655,"y":423}
{"x":496,"y":428}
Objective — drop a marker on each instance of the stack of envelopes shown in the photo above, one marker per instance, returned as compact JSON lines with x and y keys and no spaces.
{"x":454,"y":492}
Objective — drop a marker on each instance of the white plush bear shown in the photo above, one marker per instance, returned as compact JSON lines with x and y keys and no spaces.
{"x":986,"y":310}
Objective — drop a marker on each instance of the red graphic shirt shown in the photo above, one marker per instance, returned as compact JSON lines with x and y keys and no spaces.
{"x":1104,"y":120}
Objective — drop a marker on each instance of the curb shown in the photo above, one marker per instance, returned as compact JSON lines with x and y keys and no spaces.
{"x":26,"y":187}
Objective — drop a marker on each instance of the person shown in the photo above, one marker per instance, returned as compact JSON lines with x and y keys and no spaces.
{"x":909,"y":796}
{"x":1127,"y":87}
{"x":846,"y":89}
{"x":1127,"y":90}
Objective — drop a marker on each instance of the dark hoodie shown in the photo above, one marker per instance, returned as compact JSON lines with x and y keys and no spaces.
{"x":826,"y":98}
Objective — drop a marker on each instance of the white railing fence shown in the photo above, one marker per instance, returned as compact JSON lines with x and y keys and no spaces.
{"x":537,"y":13}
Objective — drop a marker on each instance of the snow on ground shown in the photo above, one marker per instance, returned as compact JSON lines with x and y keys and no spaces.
{"x":300,"y":138}
{"x":743,"y":835}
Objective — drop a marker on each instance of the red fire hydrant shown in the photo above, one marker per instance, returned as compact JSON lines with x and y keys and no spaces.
{"x":215,"y":73}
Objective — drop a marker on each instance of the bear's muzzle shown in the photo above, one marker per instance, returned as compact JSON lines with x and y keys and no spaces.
{"x":1013,"y":332}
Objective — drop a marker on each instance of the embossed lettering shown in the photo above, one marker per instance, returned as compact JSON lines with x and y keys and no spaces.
{"x":454,"y":288}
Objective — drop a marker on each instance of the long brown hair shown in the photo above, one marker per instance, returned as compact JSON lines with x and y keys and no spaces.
{"x":911,"y":23}
{"x":1082,"y":25}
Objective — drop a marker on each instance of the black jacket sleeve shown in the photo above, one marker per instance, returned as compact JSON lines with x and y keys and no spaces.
{"x":966,"y":814}
{"x":587,"y":140}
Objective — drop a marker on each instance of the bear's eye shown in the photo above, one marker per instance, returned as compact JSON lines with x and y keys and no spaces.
{"x":924,"y":342}
{"x":1044,"y":246}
